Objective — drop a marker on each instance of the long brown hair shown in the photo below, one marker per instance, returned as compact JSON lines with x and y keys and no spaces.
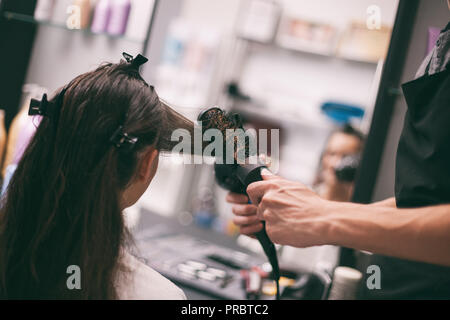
{"x":62,"y":205}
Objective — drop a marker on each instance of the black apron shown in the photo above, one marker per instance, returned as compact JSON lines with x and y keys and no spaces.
{"x":422,"y":179}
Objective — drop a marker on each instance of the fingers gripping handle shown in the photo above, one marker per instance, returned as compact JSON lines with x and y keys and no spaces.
{"x":249,"y":174}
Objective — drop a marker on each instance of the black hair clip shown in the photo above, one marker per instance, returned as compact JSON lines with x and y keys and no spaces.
{"x":44,"y":107}
{"x":41,"y":108}
{"x":122,"y":140}
{"x":136,"y":62}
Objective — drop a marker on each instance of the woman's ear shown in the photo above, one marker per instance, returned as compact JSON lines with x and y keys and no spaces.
{"x":149,"y":165}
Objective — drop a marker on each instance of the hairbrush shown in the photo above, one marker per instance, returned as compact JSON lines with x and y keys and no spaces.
{"x":237,"y":176}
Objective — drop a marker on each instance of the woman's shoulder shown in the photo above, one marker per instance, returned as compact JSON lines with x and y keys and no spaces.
{"x":141,"y":282}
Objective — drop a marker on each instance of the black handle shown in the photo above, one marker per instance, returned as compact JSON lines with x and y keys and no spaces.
{"x":249,"y":174}
{"x":269,"y":250}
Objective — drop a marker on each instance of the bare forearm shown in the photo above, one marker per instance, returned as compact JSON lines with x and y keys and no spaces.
{"x":385,"y":203}
{"x":297,"y":216}
{"x":421,"y":234}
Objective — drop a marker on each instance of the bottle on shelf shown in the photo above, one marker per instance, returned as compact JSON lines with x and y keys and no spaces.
{"x":84,"y":12}
{"x":14,"y":131}
{"x":60,"y":14}
{"x":120,"y":11}
{"x":102,"y":16}
{"x":22,"y":128}
{"x":44,"y":9}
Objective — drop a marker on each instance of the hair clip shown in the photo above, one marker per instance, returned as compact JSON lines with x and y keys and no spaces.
{"x":136,"y":62}
{"x":122,"y":140}
{"x":41,"y":108}
{"x":44,"y":107}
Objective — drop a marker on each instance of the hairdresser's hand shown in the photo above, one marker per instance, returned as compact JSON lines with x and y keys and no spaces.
{"x":245,"y":214}
{"x":294,"y":214}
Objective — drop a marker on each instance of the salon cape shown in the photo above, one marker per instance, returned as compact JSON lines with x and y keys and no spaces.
{"x":141,"y":282}
{"x":422,"y":179}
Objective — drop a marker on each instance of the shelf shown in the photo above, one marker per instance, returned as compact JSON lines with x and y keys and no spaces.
{"x":12,"y":16}
{"x":317,"y":51}
{"x":286,"y":118}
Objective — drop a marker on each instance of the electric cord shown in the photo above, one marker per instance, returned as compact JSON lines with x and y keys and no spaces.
{"x":277,"y":297}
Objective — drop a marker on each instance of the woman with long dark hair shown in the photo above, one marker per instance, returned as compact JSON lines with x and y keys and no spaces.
{"x":94,"y":154}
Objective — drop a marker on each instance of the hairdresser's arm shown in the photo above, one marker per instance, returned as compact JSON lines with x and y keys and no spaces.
{"x":298,"y":217}
{"x":246,"y":214}
{"x":385,"y":203}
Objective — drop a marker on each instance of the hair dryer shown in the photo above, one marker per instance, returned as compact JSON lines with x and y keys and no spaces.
{"x":347,"y":168}
{"x":236,"y":177}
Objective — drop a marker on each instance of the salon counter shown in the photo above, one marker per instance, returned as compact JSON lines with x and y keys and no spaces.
{"x":161,"y":227}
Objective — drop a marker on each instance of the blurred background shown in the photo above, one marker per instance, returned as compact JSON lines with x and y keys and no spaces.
{"x":312,"y":69}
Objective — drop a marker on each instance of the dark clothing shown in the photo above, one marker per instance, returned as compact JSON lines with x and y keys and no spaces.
{"x":423,"y":155}
{"x":422,"y":175}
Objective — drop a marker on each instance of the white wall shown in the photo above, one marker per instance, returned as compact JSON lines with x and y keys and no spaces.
{"x":59,"y":55}
{"x":217,"y":14}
